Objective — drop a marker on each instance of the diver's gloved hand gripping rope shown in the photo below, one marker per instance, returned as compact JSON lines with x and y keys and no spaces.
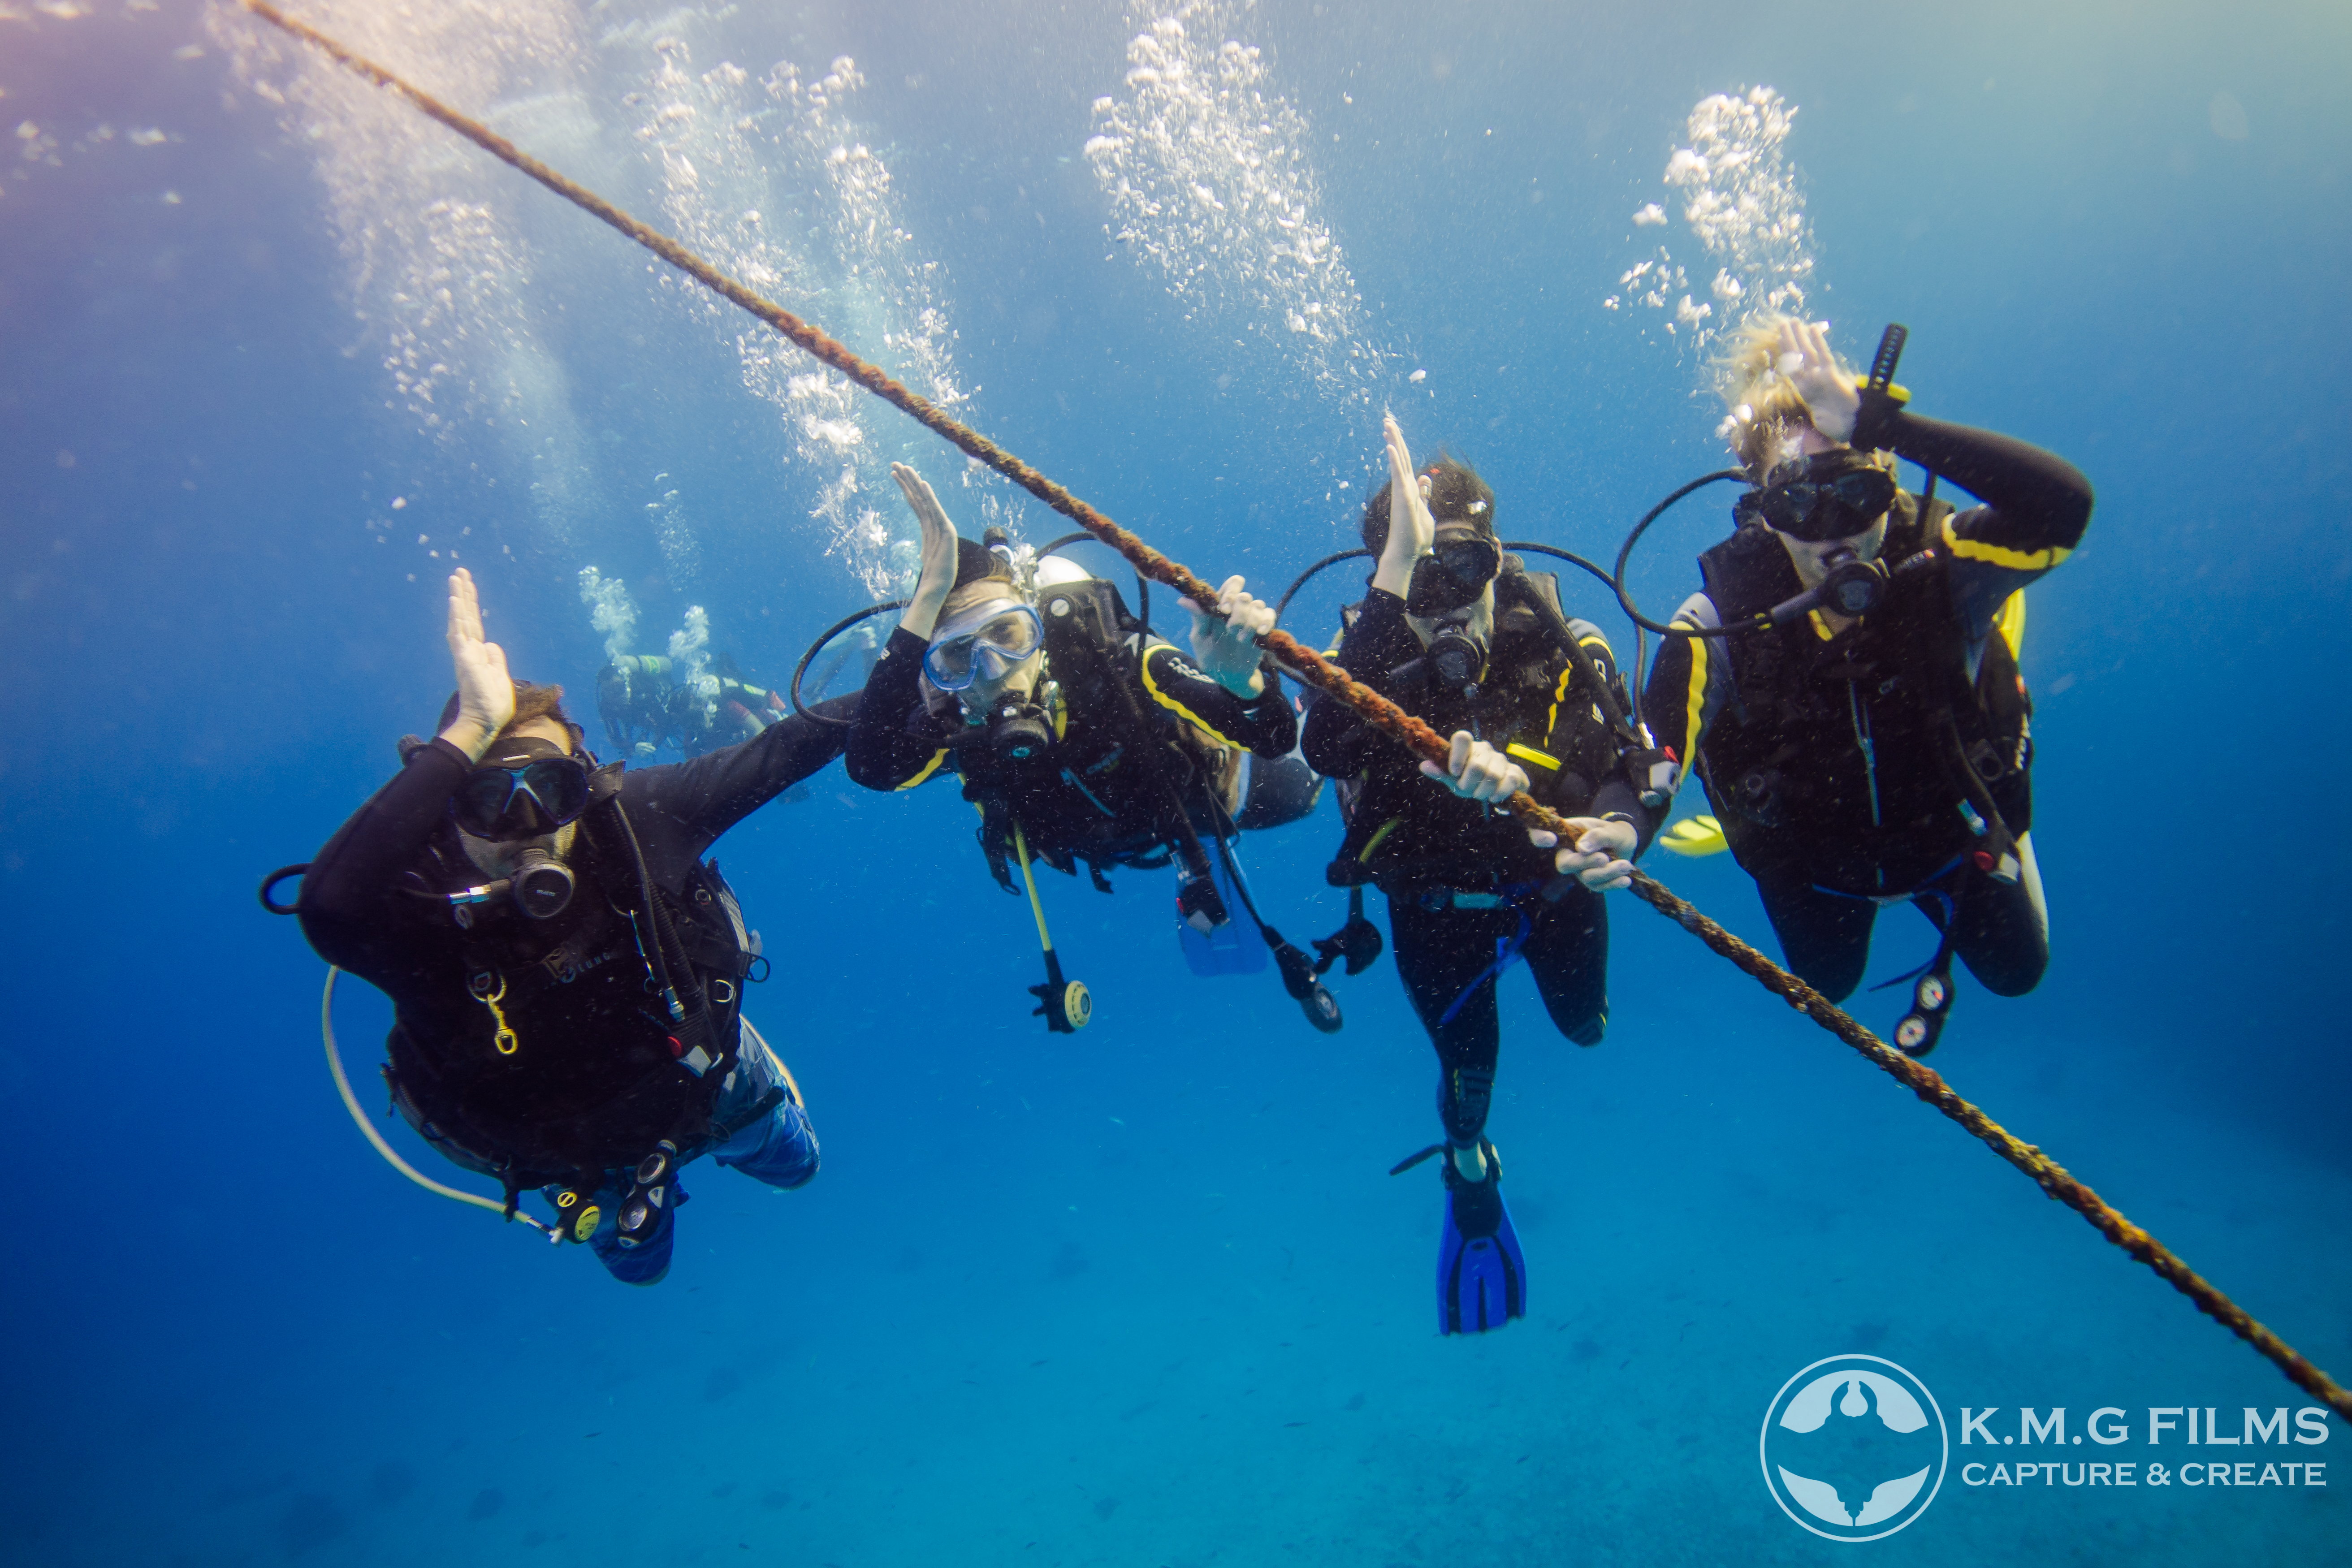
{"x":1377,"y":711}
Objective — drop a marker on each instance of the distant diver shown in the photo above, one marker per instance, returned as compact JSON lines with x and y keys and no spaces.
{"x":1460,"y":635}
{"x":566,"y":972}
{"x":1858,"y":725}
{"x":1083,"y":738}
{"x":649,"y":702}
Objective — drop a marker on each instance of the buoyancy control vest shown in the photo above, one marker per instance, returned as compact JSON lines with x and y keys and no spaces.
{"x":1852,"y":763}
{"x":556,"y":1055}
{"x":1405,"y":834}
{"x":1111,"y":790}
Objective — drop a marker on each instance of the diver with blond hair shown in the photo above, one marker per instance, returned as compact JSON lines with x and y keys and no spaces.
{"x":1840,"y":685}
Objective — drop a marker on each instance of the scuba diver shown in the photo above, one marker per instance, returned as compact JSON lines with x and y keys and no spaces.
{"x":1460,"y":634}
{"x":1082,"y":737}
{"x":1838,"y":685}
{"x":565,"y":970}
{"x":649,"y":701}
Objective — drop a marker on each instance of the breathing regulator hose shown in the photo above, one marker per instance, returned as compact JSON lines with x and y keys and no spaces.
{"x":343,"y":1082}
{"x":1067,"y":1005}
{"x":1378,"y":712}
{"x":816,"y":648}
{"x":1617,"y":580}
{"x":367,"y":1129}
{"x":1879,"y":396}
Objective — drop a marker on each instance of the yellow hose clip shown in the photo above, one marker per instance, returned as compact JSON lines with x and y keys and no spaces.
{"x":506,"y":1041}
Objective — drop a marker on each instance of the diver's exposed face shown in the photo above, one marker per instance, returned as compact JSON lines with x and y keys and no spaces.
{"x":977,"y":618}
{"x":547,"y":730}
{"x":1019,"y":680}
{"x":1479,"y":621}
{"x":495,"y":857}
{"x":1810,"y":556}
{"x":498,"y":857}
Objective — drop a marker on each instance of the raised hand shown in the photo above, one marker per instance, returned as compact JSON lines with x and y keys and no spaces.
{"x":1224,"y":638}
{"x":485,"y":690}
{"x":1812,"y":369}
{"x":937,"y":580}
{"x":1411,"y":531}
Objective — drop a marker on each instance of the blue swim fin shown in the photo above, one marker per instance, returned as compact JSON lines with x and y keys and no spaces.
{"x":1482,"y":1275}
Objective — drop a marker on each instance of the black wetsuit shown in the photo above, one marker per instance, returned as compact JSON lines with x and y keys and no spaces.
{"x":592,"y":1081}
{"x":1827,"y":757}
{"x":1098,"y":794}
{"x":1468,"y":893}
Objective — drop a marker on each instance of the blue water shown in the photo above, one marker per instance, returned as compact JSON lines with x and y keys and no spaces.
{"x":1143,"y":1294}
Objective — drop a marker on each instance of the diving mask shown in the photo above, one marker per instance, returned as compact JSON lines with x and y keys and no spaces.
{"x":1837,"y":495}
{"x":1006,"y":632}
{"x":530,"y":787}
{"x":1453,"y":573}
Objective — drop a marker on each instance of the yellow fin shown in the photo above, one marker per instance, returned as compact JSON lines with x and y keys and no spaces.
{"x":2011,"y":623}
{"x":1694,"y":835}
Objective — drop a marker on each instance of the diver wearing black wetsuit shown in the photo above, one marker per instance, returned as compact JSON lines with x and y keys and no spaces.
{"x":1465,"y":638}
{"x":1870,"y":760}
{"x":1081,"y":738}
{"x":1468,"y":893}
{"x":543,"y":1050}
{"x":1092,"y":794}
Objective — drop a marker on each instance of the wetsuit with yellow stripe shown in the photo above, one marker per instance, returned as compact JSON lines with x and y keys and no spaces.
{"x":1094,"y":794}
{"x":1468,"y":896}
{"x":1825,"y":753}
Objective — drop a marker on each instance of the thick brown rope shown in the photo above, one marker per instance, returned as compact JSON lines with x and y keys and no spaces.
{"x":1377,"y":711}
{"x":2048,"y":1173}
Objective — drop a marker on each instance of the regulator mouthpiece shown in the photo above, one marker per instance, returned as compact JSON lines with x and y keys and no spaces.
{"x":542,"y":884}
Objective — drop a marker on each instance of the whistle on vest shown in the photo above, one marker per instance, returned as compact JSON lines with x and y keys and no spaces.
{"x":1655,"y":775}
{"x":1997,"y":855}
{"x":689,"y":1046}
{"x":1199,"y":906}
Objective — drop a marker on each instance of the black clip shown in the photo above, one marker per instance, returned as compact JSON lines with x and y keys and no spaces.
{"x":1357,"y":942}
